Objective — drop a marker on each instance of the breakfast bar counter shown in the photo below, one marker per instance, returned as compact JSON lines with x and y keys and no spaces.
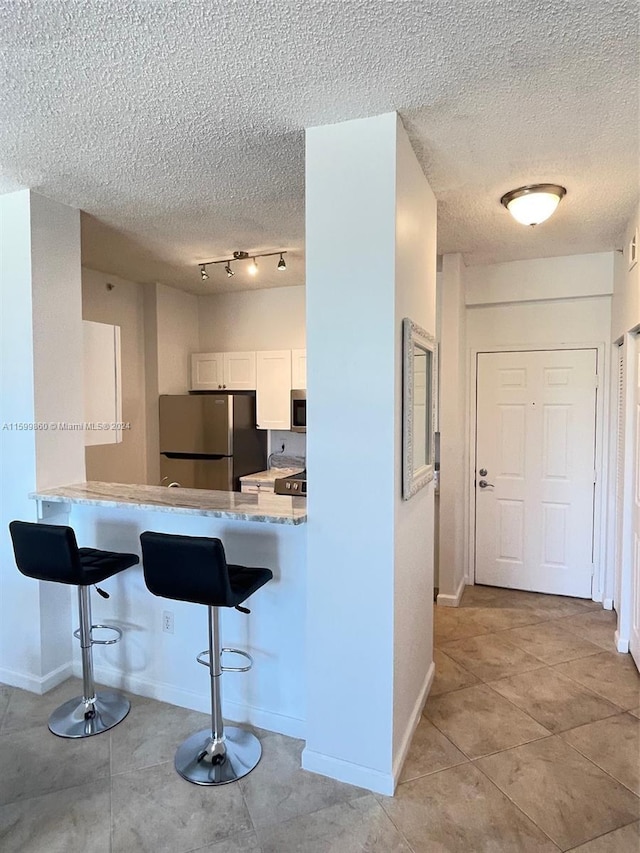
{"x":262,"y":530}
{"x":262,"y":508}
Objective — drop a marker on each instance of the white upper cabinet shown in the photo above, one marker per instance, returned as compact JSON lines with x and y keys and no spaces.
{"x":299,"y":368}
{"x":102,"y":383}
{"x":273,"y":398}
{"x":223,"y":371}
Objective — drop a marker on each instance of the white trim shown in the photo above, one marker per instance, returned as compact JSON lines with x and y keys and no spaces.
{"x":345,"y":771}
{"x":413,"y":724}
{"x":622,"y":645}
{"x":607,"y":603}
{"x":264,"y":719}
{"x":36,"y":684}
{"x":445,"y":600}
{"x":601,"y":459}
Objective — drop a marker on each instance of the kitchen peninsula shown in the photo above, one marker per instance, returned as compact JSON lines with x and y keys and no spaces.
{"x":256,"y":530}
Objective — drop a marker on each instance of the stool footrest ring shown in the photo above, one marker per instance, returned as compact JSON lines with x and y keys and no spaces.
{"x":205,"y":654}
{"x":116,"y":639}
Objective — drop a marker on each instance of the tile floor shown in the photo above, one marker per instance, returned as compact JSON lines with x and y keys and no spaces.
{"x":530,"y":741}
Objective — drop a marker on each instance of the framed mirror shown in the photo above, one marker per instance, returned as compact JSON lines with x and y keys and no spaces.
{"x":418,"y":409}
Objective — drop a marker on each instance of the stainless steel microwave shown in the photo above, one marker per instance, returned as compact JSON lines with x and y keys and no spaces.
{"x":299,"y":410}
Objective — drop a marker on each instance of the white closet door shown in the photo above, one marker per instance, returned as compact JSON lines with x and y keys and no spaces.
{"x":634,"y":638}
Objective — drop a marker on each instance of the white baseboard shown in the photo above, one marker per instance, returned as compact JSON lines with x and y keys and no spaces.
{"x":36,"y":684}
{"x":413,"y":723}
{"x":607,"y":603}
{"x":269,"y":720}
{"x":345,"y":771}
{"x":622,"y":645}
{"x":452,"y":600}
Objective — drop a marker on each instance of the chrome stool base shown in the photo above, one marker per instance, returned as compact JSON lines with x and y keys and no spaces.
{"x":195,"y":762}
{"x":77,"y":718}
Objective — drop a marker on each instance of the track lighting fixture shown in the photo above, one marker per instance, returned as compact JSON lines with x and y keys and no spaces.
{"x":252,"y":269}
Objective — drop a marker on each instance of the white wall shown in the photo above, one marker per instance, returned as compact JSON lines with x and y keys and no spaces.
{"x":120,"y":305}
{"x":178,"y":336}
{"x":626,"y":288}
{"x":42,"y":354}
{"x":270,"y":319}
{"x":452,"y":353}
{"x":360,"y":193}
{"x":562,"y":320}
{"x":415,"y":297}
{"x":541,"y":278}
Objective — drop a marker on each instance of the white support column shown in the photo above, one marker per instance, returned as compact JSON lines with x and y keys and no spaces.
{"x":41,"y":386}
{"x":370,"y":255}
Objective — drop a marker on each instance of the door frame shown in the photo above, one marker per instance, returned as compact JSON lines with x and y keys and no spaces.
{"x":601,"y":554}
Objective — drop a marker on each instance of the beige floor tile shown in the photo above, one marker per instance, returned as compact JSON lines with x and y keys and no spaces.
{"x":551,"y":642}
{"x":480,"y":722}
{"x":451,"y":623}
{"x":459,"y":811}
{"x":278,"y":790}
{"x":36,"y":762}
{"x":359,"y":826}
{"x":597,"y":626}
{"x":244,"y":842}
{"x":27,"y":710}
{"x":156,"y":810}
{"x":608,"y":674}
{"x":73,"y":820}
{"x":566,"y":795}
{"x":612,"y":744}
{"x":429,"y":751}
{"x":151,"y":734}
{"x":449,"y":675}
{"x":625,"y":840}
{"x":557,"y":702}
{"x":5,"y":695}
{"x":635,"y":712}
{"x":491,"y":656}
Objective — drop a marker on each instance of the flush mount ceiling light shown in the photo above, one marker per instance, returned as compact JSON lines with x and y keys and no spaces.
{"x":534,"y":203}
{"x":243,"y":256}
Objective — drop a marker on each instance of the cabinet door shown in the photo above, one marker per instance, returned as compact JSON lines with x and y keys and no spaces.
{"x":299,"y":368}
{"x":273,"y":397}
{"x":240,"y":371}
{"x":102,"y":382}
{"x":207,"y":371}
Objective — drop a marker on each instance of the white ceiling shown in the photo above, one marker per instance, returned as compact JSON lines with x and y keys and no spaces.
{"x":178,"y":125}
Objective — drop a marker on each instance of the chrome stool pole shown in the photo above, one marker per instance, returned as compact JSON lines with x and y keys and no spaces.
{"x":216,"y":756}
{"x":92,"y":713}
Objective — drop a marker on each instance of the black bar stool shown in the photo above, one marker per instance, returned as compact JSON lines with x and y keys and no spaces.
{"x":194,"y":568}
{"x":49,"y":552}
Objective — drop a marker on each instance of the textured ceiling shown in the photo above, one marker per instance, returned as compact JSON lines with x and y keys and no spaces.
{"x":178,"y":125}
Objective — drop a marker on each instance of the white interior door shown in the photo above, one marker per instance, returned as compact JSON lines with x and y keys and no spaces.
{"x":634,"y":636}
{"x":535,"y":470}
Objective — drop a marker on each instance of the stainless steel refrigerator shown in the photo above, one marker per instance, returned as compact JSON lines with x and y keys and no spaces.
{"x":209,"y":441}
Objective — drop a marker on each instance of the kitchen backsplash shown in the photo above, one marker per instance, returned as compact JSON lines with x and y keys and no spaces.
{"x":295,"y":444}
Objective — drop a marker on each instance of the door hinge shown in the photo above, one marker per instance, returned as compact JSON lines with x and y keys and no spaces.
{"x":595,"y":476}
{"x":597,"y":381}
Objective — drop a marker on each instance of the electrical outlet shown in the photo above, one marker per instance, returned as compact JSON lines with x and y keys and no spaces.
{"x":167,"y":621}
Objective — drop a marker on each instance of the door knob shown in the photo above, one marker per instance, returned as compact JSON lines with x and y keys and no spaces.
{"x":483,"y":472}
{"x":484,"y":485}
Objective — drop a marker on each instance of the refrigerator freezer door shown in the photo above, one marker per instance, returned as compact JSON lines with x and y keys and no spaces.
{"x":196,"y":424}
{"x":214,"y":474}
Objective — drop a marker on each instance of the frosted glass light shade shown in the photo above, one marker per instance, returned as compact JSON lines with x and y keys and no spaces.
{"x":533,"y":204}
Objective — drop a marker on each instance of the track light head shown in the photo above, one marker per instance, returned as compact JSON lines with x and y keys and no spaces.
{"x":228,"y":270}
{"x":253,"y":267}
{"x":282,"y":263}
{"x":204,"y":275}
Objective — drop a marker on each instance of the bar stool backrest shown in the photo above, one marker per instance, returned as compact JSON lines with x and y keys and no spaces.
{"x":47,"y":552}
{"x":186,"y":568}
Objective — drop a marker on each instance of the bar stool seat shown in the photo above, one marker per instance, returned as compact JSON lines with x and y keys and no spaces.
{"x":49,"y":552}
{"x":195,"y":569}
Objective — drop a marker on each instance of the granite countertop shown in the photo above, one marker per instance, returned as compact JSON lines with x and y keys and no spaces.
{"x":269,"y":476}
{"x":268,"y":508}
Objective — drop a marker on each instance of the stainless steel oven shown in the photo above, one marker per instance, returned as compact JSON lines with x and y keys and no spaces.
{"x":299,"y":410}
